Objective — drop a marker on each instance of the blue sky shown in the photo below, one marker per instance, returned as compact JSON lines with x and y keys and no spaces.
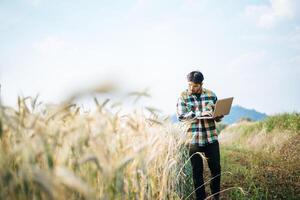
{"x":246,"y":49}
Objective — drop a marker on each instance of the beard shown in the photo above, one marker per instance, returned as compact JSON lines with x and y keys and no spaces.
{"x":198,"y":91}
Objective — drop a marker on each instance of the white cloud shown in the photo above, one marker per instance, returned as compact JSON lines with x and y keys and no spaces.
{"x":267,"y":16}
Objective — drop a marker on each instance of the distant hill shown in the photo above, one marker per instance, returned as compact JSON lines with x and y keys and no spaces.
{"x":236,"y":113}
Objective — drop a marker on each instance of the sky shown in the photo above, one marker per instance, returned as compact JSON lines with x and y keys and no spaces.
{"x":248,"y":49}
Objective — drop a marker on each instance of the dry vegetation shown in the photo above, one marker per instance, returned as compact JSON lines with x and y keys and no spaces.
{"x":61,"y":152}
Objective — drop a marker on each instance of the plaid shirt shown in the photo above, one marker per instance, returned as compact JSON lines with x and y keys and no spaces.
{"x":189,"y":105}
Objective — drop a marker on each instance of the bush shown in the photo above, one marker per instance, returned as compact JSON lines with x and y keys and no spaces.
{"x":285,"y":121}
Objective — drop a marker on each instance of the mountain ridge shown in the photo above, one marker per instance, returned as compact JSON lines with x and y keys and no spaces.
{"x":237,"y":113}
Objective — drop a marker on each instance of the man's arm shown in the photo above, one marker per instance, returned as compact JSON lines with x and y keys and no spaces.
{"x":218,"y":119}
{"x":183,"y":114}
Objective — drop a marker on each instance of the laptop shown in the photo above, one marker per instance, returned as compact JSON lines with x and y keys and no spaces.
{"x":222,"y":108}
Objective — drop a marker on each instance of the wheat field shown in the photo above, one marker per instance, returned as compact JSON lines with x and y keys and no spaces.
{"x":52,"y":151}
{"x":61,"y":151}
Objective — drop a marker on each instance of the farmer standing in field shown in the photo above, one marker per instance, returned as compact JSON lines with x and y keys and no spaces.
{"x":194,"y":102}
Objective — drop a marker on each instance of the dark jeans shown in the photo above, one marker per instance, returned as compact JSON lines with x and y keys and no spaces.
{"x":212,"y":153}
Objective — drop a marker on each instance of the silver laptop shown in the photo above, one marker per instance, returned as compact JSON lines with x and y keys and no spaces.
{"x":222,"y":108}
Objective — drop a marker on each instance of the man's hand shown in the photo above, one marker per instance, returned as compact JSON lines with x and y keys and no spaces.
{"x":206,"y":114}
{"x":219,"y":118}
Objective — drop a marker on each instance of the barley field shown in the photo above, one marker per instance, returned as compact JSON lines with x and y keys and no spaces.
{"x":60,"y":151}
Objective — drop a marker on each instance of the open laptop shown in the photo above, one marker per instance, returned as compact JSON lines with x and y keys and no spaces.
{"x":222,"y":107}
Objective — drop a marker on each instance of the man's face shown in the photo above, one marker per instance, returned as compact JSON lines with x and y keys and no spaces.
{"x":195,"y":87}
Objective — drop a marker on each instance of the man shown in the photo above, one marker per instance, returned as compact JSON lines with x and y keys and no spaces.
{"x":197,"y":101}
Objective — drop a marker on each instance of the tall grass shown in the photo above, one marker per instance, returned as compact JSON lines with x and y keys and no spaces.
{"x":264,"y":157}
{"x":268,"y":135}
{"x":50,"y":151}
{"x":61,"y":152}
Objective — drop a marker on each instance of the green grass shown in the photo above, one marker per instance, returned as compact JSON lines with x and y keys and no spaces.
{"x":263,"y":174}
{"x":283,"y":122}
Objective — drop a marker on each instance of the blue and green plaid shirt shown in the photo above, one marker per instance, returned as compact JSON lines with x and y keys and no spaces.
{"x":203,"y":131}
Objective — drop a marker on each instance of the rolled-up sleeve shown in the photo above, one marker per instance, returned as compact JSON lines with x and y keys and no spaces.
{"x":183,"y":112}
